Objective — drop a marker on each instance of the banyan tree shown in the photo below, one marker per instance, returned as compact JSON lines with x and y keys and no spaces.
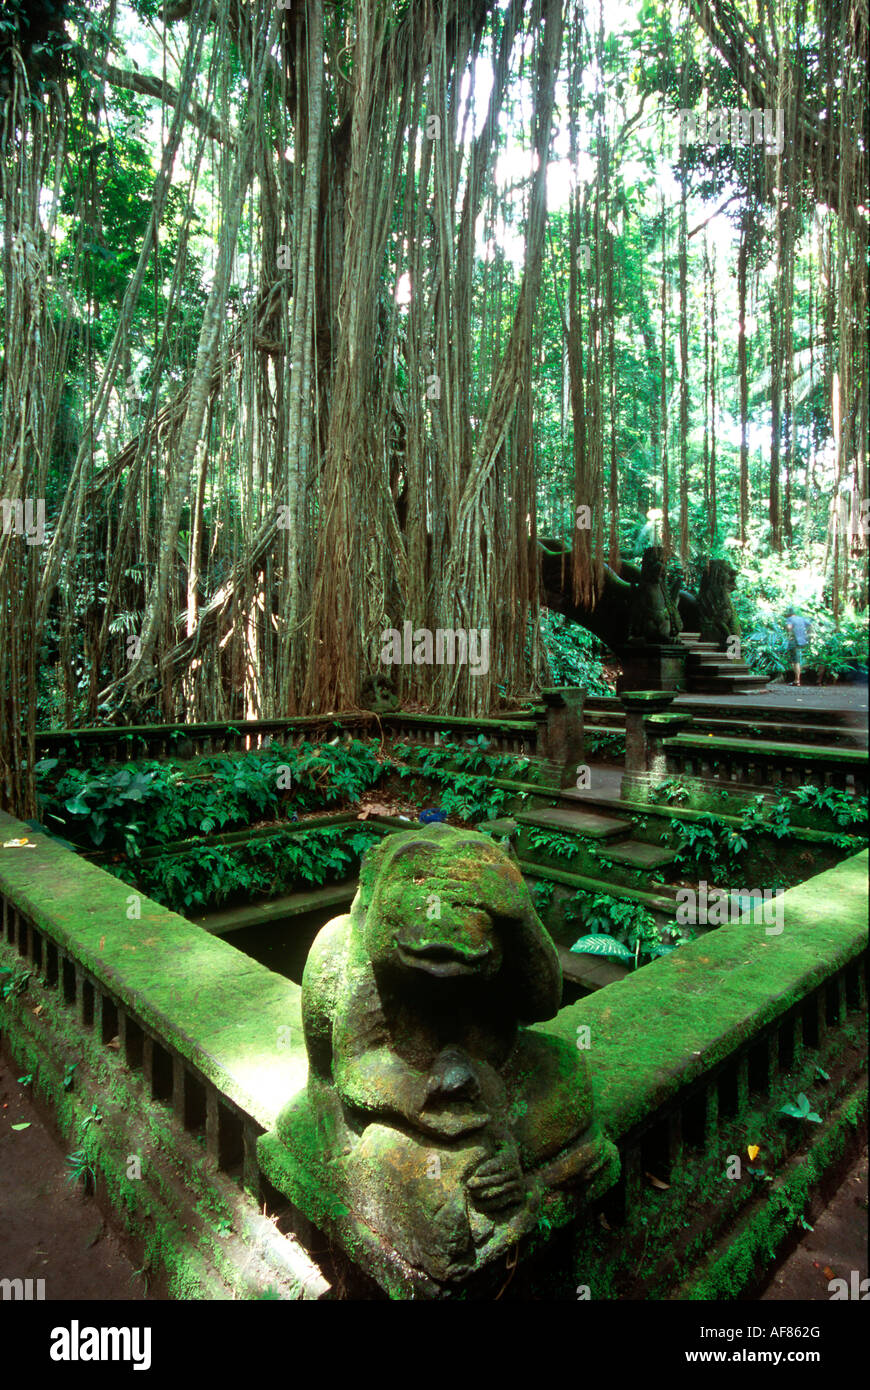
{"x":278,"y":286}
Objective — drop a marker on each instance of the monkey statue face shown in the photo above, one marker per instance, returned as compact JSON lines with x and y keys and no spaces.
{"x":448,"y":909}
{"x":442,"y":905}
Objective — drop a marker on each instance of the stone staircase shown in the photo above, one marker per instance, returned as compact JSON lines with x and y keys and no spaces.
{"x":606,"y":859}
{"x":709,"y":671}
{"x":603,"y":853}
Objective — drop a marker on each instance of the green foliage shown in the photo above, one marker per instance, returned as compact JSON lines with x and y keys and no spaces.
{"x":626,"y":930}
{"x":80,"y":1168}
{"x":103,"y":798}
{"x":712,"y":843}
{"x":574,"y":655}
{"x":542,"y":895}
{"x":463,"y":771}
{"x":16,"y":983}
{"x":839,"y":805}
{"x":707,"y":842}
{"x":603,"y":946}
{"x":550,"y":842}
{"x":611,"y":745}
{"x":767,"y":586}
{"x":150,"y":803}
{"x":800,"y":1110}
{"x":207,"y":876}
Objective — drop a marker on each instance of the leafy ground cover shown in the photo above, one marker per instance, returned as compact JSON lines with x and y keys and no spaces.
{"x":128,"y":812}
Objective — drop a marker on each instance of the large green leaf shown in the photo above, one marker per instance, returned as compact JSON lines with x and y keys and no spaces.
{"x":799,"y":1110}
{"x":602,"y":946}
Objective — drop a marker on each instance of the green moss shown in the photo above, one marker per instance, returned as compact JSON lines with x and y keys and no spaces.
{"x":662,"y":1027}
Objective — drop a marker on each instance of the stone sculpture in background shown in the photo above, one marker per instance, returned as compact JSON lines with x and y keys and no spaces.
{"x":654,"y":616}
{"x":436,"y":1131}
{"x":378,"y":694}
{"x":717,"y":615}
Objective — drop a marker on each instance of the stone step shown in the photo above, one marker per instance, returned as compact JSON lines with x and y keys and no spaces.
{"x":714,"y":684}
{"x":706,"y":661}
{"x":690,"y":637}
{"x":590,"y":972}
{"x":585,"y":823}
{"x":504,"y":828}
{"x":734,"y":670}
{"x":639,"y":855}
{"x":265,"y":912}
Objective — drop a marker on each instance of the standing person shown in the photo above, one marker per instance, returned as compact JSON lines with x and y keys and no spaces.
{"x":797,"y":628}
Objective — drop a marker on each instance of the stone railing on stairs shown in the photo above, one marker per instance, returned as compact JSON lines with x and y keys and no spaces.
{"x":660,"y":743}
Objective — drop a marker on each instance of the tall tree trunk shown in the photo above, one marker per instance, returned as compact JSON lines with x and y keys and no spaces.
{"x":206,"y":356}
{"x":743,"y":383}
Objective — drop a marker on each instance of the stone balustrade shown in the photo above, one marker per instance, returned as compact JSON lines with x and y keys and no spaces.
{"x":214,"y":1039}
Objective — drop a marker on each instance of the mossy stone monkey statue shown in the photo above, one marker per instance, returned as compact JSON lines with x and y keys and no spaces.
{"x":654,"y":616}
{"x":719,"y":619}
{"x":439,"y":1120}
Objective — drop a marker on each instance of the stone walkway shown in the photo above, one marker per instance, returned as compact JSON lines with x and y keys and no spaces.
{"x":851,"y":698}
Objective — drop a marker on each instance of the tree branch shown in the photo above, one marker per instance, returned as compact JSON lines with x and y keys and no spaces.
{"x":148,"y":86}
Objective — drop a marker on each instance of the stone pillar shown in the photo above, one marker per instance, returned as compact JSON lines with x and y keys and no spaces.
{"x":657,"y":728}
{"x":562,"y":744}
{"x":648,"y":667}
{"x":644,"y":755}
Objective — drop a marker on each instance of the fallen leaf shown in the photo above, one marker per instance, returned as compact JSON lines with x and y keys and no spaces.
{"x":753,"y":1151}
{"x":604,"y":1222}
{"x":18,"y":844}
{"x":375,"y":808}
{"x":828,"y":1272}
{"x":114,"y":1043}
{"x":38,"y":1010}
{"x":26,"y":1124}
{"x":657,"y":1182}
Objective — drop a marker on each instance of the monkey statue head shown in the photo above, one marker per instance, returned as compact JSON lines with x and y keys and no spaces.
{"x":652,"y":564}
{"x":448,"y":910}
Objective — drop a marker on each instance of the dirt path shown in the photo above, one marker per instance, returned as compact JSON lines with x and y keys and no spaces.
{"x":833,"y":1249}
{"x":48,"y":1228}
